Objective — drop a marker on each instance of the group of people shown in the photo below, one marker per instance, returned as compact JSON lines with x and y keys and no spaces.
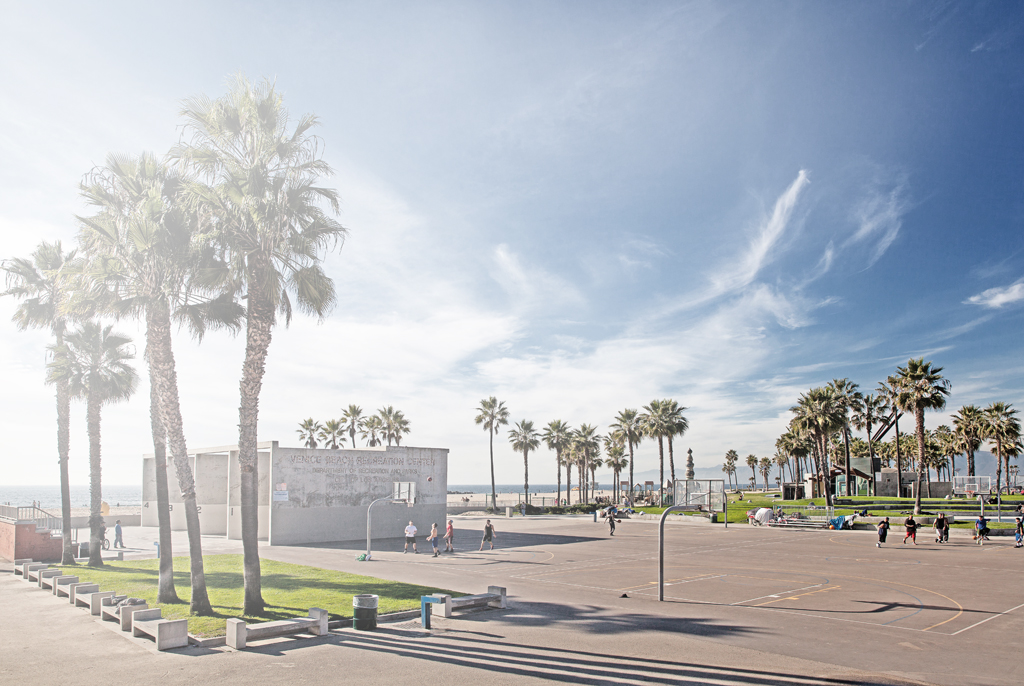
{"x":449,"y":538}
{"x":941,"y":525}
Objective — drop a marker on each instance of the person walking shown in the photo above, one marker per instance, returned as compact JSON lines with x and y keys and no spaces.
{"x":941,"y":528}
{"x":433,"y":539}
{"x":883,"y":531}
{"x":117,"y":534}
{"x":449,"y":537}
{"x":410,"y":537}
{"x":488,"y":535}
{"x":611,"y":522}
{"x":981,"y":529}
{"x":911,"y":527}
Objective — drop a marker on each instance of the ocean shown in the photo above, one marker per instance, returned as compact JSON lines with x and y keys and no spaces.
{"x":49,"y":496}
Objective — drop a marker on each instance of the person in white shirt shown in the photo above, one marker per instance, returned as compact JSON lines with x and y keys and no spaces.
{"x":410,"y":537}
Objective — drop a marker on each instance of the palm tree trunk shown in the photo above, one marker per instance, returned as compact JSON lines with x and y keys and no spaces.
{"x":526,"y":477}
{"x":63,"y":452}
{"x":970,"y":463}
{"x":158,"y":342}
{"x":661,"y":474}
{"x":568,"y":484}
{"x":95,"y":481}
{"x":919,"y":420}
{"x":871,"y":459}
{"x":999,"y":464}
{"x":630,"y":469}
{"x":849,"y":473}
{"x":166,"y":592}
{"x":494,"y":489}
{"x":558,"y":476}
{"x":671,"y":463}
{"x":899,"y":463}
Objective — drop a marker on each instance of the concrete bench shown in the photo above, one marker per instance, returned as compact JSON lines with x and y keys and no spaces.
{"x":47,"y":574}
{"x":495,"y":597}
{"x":111,"y":611}
{"x":167,"y":633}
{"x":19,"y":563}
{"x":29,"y":569}
{"x":240,"y":633}
{"x":75,"y":589}
{"x":93,"y":601}
{"x":60,"y":585}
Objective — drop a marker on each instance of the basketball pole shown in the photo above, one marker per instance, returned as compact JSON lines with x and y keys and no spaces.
{"x":661,"y":548}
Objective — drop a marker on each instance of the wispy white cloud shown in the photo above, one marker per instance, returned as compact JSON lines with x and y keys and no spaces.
{"x":530,"y":286}
{"x":879,"y":216}
{"x":999,"y":296}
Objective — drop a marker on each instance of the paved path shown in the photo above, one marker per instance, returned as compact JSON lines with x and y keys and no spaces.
{"x":744,"y":605}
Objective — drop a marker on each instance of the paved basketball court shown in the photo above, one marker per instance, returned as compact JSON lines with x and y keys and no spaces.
{"x":743,"y":606}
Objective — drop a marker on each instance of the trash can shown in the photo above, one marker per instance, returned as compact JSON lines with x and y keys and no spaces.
{"x":364,"y":612}
{"x":83,"y":549}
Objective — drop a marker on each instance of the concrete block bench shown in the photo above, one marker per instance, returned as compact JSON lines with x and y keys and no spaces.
{"x":75,"y":589}
{"x":443,"y":604}
{"x":167,"y":633}
{"x":60,"y":585}
{"x":45,"y":575}
{"x":120,"y":613}
{"x":240,"y":633}
{"x":93,"y":601}
{"x":30,"y":570}
{"x":18,"y":564}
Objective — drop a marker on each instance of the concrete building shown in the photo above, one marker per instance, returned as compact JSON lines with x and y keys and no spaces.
{"x":308,"y":495}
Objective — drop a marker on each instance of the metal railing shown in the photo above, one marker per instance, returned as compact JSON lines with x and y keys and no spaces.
{"x":30,"y":514}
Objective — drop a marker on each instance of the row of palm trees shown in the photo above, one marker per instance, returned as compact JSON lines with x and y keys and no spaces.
{"x":388,"y":425}
{"x":581,"y":447}
{"x":820,"y":430}
{"x":230,"y":227}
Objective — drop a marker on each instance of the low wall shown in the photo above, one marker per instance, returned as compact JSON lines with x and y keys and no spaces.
{"x":20,"y":541}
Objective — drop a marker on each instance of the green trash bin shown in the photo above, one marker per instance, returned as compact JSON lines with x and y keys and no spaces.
{"x":364,"y":612}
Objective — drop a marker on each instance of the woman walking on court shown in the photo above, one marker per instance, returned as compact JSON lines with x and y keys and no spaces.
{"x":883,"y":531}
{"x":911,"y":526}
{"x":488,"y":535}
{"x":449,"y":537}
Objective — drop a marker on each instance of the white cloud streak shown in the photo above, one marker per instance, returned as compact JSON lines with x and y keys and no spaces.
{"x":994,"y":298}
{"x":879,"y":217}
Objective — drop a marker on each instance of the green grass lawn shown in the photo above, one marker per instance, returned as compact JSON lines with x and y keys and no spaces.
{"x":288,"y":589}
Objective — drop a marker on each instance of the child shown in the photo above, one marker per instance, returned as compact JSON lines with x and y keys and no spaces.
{"x":911,"y":530}
{"x":883,"y":531}
{"x":1019,"y":534}
{"x":433,"y":539}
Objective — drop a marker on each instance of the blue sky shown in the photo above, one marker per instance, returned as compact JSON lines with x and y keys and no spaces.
{"x":577,"y":207}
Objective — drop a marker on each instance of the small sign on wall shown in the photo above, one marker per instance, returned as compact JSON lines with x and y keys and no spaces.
{"x":281,"y":492}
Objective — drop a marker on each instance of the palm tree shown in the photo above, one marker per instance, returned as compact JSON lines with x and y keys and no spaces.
{"x":524,"y":439}
{"x":352,"y":419}
{"x":818,"y":415}
{"x":394,"y":424}
{"x":587,"y":449}
{"x":656,"y":425}
{"x":145,"y":260}
{"x":94,"y":363}
{"x":945,"y":441}
{"x":629,"y":425}
{"x":371,"y":430}
{"x":399,"y":427}
{"x":556,"y":437}
{"x":765,"y":467}
{"x":920,"y":387}
{"x":616,"y":460}
{"x":1002,"y":427}
{"x":869,"y":412}
{"x":752,"y":462}
{"x":332,"y":434}
{"x":308,"y":431}
{"x":731,"y":457}
{"x":268,"y":206}
{"x":41,"y":284}
{"x":848,"y":399}
{"x":675,"y":425}
{"x":492,"y":414}
{"x":968,"y":423}
{"x":781,"y":460}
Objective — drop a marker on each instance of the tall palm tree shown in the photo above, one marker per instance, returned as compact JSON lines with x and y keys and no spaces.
{"x":764,"y":466}
{"x":615,"y":450}
{"x":968,"y":422}
{"x":752,"y":462}
{"x":848,"y":399}
{"x":675,"y":425}
{"x":332,"y":434}
{"x":492,"y":414}
{"x":818,"y":415}
{"x":587,"y":449}
{"x":352,"y":418}
{"x":41,"y":283}
{"x":524,"y":438}
{"x":308,"y":431}
{"x":399,"y":427}
{"x":946,"y":443}
{"x":656,"y":425}
{"x":628,"y":423}
{"x":731,"y":458}
{"x":1002,"y":427}
{"x":263,"y":192}
{"x":145,"y":256}
{"x":781,"y":460}
{"x":919,"y":386}
{"x":868,"y":413}
{"x":371,"y":430}
{"x":94,"y":362}
{"x":556,"y":437}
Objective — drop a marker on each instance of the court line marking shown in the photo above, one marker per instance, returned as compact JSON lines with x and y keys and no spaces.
{"x":987,"y":619}
{"x":797,"y":597}
{"x":774,"y":595}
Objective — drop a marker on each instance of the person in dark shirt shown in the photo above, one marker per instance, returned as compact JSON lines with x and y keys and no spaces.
{"x":911,"y":526}
{"x":883,"y":531}
{"x":941,"y":528}
{"x":1019,"y":534}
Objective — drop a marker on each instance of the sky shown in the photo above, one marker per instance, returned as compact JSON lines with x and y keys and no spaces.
{"x":576,"y":207}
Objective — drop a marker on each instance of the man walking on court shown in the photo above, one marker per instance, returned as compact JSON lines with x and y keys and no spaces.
{"x":449,"y":537}
{"x":911,"y":530}
{"x":410,"y":537}
{"x":883,"y":531}
{"x":117,"y":534}
{"x":488,"y":535}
